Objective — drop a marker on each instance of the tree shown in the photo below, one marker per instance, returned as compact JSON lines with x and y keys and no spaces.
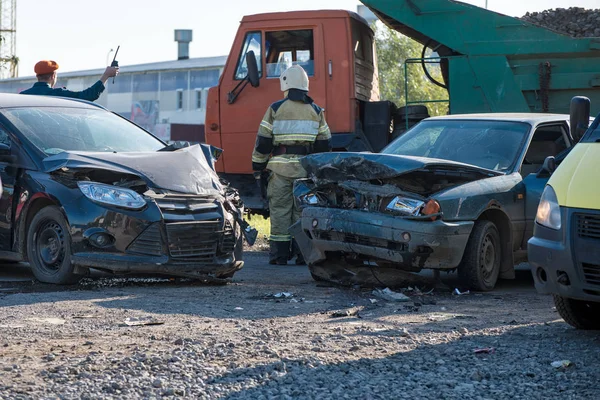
{"x":393,"y":49}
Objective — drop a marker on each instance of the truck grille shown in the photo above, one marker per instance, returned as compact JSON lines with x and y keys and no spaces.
{"x":149,"y":242}
{"x":361,"y":240}
{"x":194,"y":240}
{"x":588,"y":226}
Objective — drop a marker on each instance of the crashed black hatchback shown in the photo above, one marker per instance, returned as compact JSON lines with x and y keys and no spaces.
{"x":83,"y":187}
{"x":453,"y":193}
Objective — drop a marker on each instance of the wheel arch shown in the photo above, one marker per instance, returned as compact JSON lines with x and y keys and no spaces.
{"x":504,"y":225}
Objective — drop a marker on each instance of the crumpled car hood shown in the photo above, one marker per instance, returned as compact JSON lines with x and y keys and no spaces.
{"x":185,"y":171}
{"x":368,"y":166}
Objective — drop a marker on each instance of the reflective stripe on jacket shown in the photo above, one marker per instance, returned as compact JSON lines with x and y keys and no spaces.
{"x":290,"y":123}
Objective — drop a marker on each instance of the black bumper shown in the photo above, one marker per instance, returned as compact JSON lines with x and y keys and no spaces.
{"x":432,"y":244}
{"x":176,"y":235}
{"x":573,"y":250}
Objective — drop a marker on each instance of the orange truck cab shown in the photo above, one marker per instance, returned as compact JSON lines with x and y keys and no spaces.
{"x":336,"y":50}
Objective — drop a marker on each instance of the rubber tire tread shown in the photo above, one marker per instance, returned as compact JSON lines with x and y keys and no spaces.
{"x":65,"y":275}
{"x":468,"y":270}
{"x":575,"y":312}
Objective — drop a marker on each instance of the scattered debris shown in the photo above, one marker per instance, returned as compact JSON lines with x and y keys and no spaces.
{"x":238,"y":309}
{"x":84,"y":316}
{"x":51,"y":321}
{"x":350,"y":312}
{"x":459,"y":293}
{"x":142,"y":321}
{"x":562,"y":364}
{"x":373,"y":301}
{"x":280,"y":295}
{"x":390,"y":295}
{"x":485,"y":350}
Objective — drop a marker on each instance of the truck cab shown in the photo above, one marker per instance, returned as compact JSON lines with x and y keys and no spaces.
{"x":336,"y":50}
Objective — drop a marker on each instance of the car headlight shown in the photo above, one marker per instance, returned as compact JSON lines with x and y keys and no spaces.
{"x":408,"y":206}
{"x":112,"y":195}
{"x":548,"y":213}
{"x":405,"y":205}
{"x":310,"y":199}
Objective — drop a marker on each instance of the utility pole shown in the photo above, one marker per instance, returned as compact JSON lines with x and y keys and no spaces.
{"x":9,"y":62}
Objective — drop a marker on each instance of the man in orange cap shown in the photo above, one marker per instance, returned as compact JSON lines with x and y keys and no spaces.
{"x":46,"y":74}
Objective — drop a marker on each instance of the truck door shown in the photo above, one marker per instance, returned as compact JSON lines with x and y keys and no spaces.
{"x":275,"y":51}
{"x":548,"y":140}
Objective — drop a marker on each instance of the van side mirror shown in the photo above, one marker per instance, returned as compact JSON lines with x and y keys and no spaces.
{"x":579,"y":117}
{"x":252,"y":69}
{"x":548,"y":167}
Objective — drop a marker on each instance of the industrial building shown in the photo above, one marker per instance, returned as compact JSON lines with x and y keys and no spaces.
{"x":166,"y":98}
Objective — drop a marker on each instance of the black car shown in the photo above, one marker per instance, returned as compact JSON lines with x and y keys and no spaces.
{"x":84,"y":187}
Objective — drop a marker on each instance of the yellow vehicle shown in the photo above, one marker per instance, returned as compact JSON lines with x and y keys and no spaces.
{"x":565,"y":250}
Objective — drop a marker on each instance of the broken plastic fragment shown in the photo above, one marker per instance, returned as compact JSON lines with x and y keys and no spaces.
{"x":459,"y":293}
{"x":390,"y":295}
{"x":485,"y":350}
{"x":142,"y":321}
{"x":562,"y":364}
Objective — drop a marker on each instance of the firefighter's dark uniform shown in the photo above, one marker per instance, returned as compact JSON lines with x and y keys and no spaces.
{"x":43,"y":88}
{"x":290,"y":129}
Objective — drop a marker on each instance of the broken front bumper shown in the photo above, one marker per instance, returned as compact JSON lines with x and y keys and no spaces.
{"x":410,"y":244}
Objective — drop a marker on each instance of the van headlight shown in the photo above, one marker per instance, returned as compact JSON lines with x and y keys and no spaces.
{"x":548,"y":213}
{"x":310,"y":199}
{"x":112,"y":195}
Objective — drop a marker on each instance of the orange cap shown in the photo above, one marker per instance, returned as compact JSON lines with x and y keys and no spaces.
{"x":45,"y":67}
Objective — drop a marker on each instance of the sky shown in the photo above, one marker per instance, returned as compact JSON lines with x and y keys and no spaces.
{"x":79,"y":34}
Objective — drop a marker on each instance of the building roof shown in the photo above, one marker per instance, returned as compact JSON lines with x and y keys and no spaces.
{"x":191,"y":63}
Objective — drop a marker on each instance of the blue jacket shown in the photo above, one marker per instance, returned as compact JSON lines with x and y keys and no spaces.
{"x":43,"y":88}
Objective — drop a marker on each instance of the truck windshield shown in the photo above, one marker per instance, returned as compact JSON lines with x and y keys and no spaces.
{"x":492,"y":145}
{"x":56,"y":129}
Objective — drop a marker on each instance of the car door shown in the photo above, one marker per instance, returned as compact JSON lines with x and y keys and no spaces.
{"x":548,"y":140}
{"x":8,"y":177}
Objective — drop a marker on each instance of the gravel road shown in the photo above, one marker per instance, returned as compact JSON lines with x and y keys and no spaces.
{"x":323,"y":342}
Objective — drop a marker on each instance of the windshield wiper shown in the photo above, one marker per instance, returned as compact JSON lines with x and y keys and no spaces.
{"x":180,"y":144}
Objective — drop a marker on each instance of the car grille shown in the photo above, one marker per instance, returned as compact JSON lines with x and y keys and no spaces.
{"x":361,"y":240}
{"x":149,"y":242}
{"x":194,"y":240}
{"x":588,"y":226}
{"x":228,"y":244}
{"x":591,"y":272}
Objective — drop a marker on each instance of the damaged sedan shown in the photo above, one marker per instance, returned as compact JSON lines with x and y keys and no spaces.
{"x":85,"y":188}
{"x":453,"y":193}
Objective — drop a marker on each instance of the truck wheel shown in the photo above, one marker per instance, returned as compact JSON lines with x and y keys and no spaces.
{"x":578,"y":313}
{"x":480,"y":266}
{"x":49,"y":247}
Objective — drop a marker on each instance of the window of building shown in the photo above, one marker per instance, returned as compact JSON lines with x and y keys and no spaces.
{"x":180,"y":99}
{"x":145,"y":82}
{"x":173,"y":80}
{"x":199,"y":98}
{"x":251,"y":42}
{"x":204,"y":78}
{"x":287,"y":48}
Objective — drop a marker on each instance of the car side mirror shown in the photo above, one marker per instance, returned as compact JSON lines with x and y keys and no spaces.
{"x":548,"y":167}
{"x":252,"y":66}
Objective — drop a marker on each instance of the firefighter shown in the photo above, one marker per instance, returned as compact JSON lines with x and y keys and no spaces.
{"x":45,"y":72}
{"x":291,"y":128}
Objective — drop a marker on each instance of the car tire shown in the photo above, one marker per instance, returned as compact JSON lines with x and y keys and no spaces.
{"x":579,"y":314}
{"x":480,"y":266}
{"x":49,"y":247}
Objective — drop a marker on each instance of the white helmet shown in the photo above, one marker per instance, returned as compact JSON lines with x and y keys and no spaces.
{"x":294,"y":78}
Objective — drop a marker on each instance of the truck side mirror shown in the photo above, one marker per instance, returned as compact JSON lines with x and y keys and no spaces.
{"x":579,"y":117}
{"x":252,"y":69}
{"x":548,"y":167}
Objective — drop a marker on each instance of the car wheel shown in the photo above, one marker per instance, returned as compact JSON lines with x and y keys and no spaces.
{"x":49,"y":247}
{"x":480,"y":267}
{"x":579,"y":314}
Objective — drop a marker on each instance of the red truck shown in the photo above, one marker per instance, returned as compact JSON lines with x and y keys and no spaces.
{"x":336,"y":50}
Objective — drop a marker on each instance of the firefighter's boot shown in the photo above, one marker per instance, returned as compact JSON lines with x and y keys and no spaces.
{"x":296,"y":252}
{"x":280,"y":253}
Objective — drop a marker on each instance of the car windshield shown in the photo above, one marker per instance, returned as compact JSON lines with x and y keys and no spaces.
{"x":57,"y":129}
{"x":492,"y":145}
{"x":593,"y":133}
